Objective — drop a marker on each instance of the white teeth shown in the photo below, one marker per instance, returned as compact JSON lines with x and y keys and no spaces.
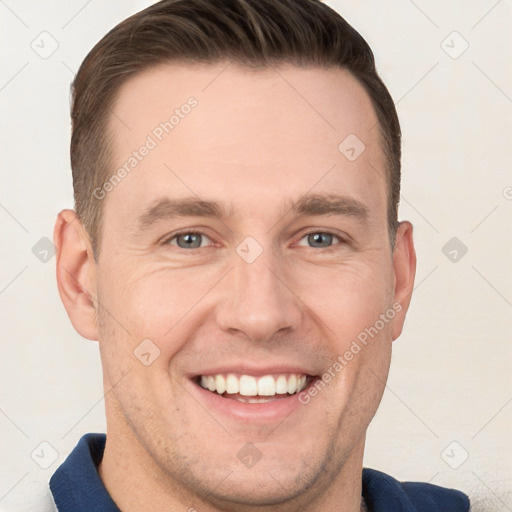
{"x":281,"y":385}
{"x":250,"y":386}
{"x":232,"y":384}
{"x":292,"y":384}
{"x":267,"y":386}
{"x":220,"y":384}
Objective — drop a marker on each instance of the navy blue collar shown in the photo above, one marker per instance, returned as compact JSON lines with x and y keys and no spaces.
{"x":77,"y":487}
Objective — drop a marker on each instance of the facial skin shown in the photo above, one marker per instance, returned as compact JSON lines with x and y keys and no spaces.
{"x":256,"y":142}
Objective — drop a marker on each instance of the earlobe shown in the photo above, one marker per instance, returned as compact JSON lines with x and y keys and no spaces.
{"x":404,"y":265}
{"x":76,"y":273}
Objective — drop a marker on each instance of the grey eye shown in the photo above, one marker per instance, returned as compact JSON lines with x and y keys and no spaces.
{"x":188,"y":240}
{"x":320,"y":239}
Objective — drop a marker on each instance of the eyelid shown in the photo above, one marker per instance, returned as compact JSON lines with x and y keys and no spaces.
{"x":341,"y":239}
{"x":169,"y":238}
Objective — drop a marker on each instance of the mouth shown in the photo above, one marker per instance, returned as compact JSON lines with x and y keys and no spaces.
{"x":251,"y":389}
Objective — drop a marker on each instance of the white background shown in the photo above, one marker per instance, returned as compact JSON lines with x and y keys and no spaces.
{"x":450,"y":377}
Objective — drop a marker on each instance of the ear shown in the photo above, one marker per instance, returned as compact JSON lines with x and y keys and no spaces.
{"x":76,"y":273}
{"x":404,"y":266}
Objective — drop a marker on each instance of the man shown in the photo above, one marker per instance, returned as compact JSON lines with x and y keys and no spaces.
{"x":236,"y":252}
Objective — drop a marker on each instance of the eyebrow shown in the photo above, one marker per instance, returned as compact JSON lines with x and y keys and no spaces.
{"x":309,"y":204}
{"x":166,"y":208}
{"x":330,"y":204}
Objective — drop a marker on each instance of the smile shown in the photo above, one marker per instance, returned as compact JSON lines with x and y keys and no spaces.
{"x":251,"y":389}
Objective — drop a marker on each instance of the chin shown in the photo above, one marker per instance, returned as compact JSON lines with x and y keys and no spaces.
{"x":282,"y":474}
{"x":268,"y":486}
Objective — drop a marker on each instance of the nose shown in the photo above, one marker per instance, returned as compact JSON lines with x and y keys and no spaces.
{"x":259,"y":301}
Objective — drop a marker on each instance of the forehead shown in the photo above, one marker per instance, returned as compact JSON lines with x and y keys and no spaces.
{"x":223,"y":129}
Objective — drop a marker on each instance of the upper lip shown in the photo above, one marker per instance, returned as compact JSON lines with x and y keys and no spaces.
{"x":245,"y":368}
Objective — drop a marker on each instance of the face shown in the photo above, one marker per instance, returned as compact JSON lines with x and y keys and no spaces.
{"x":250,"y":251}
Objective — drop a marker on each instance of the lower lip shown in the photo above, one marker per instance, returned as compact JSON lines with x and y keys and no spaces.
{"x":266,"y":412}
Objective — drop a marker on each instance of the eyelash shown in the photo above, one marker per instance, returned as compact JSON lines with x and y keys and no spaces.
{"x":340,"y":239}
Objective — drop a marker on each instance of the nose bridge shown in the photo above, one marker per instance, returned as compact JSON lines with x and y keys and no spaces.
{"x":259,"y":303}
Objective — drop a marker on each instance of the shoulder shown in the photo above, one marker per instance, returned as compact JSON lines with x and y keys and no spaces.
{"x":383,"y":492}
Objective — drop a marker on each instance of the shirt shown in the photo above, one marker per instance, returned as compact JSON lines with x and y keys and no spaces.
{"x":77,"y":487}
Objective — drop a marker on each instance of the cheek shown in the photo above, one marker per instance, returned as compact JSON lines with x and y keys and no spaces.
{"x":162,"y":299}
{"x":346,"y":299}
{"x":161,"y":305}
{"x":165,"y":304}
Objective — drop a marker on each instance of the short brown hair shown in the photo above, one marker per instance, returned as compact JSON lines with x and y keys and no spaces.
{"x":254,"y":33}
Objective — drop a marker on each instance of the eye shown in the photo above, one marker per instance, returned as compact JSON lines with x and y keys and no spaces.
{"x":188,"y":240}
{"x":320,"y":239}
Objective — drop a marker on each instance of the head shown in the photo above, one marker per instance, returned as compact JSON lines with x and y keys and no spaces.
{"x":236,"y":168}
